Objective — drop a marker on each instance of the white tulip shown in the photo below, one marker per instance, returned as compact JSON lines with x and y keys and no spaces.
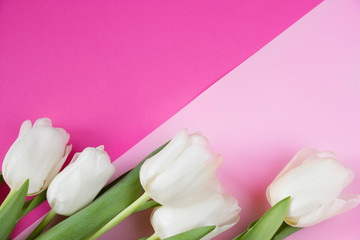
{"x":207,"y":208}
{"x":314,"y":180}
{"x":180,"y":169}
{"x":37,"y":154}
{"x":79,"y":183}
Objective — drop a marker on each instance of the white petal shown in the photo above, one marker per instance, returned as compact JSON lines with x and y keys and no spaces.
{"x":164,"y":158}
{"x":169,"y":221}
{"x":297,"y":160}
{"x":79,"y":183}
{"x":101,"y":148}
{"x":43,"y":122}
{"x":75,"y":157}
{"x":32,"y":157}
{"x":338,"y":206}
{"x":193,"y":168}
{"x":314,"y":183}
{"x":55,"y":170}
{"x":25,"y":127}
{"x":228,"y":218}
{"x":213,"y":209}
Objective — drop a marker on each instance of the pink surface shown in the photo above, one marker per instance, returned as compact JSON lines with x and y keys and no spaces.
{"x":110,"y":72}
{"x":301,"y":90}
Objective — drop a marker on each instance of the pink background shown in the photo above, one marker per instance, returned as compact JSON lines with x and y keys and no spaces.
{"x":301,"y":90}
{"x":111,"y":74}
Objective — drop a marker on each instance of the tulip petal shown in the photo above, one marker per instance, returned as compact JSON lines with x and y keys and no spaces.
{"x":213,"y":209}
{"x":340,"y":205}
{"x":79,"y":183}
{"x":25,"y":127}
{"x":75,"y":157}
{"x":172,"y":186}
{"x":33,"y":155}
{"x":314,"y":183}
{"x":297,"y":160}
{"x":43,"y":122}
{"x":164,"y":158}
{"x":56,"y":169}
{"x":228,"y":218}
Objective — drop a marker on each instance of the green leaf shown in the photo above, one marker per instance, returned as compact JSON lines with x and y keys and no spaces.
{"x":9,"y":215}
{"x":193,"y":234}
{"x":243,"y":233}
{"x":284,"y":231}
{"x":240,"y":237}
{"x":87,"y":221}
{"x":252,"y":224}
{"x":147,"y":205}
{"x":268,"y":224}
{"x":33,"y":203}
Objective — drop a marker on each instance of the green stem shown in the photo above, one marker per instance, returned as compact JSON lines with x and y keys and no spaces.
{"x":7,"y":199}
{"x":51,"y":214}
{"x":153,"y":237}
{"x":121,"y":216}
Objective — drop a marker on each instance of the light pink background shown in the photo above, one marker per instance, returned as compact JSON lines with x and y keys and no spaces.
{"x":301,"y":90}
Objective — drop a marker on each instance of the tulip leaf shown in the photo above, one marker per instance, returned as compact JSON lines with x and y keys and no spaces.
{"x":239,"y":237}
{"x":1,"y":178}
{"x":90,"y":219}
{"x":193,"y":234}
{"x":33,"y":203}
{"x":147,"y":205}
{"x":284,"y":231}
{"x":9,"y":215}
{"x":252,"y":224}
{"x":268,"y":224}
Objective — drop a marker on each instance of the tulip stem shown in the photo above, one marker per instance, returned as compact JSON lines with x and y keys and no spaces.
{"x":121,"y":216}
{"x":153,"y":237}
{"x":51,"y":214}
{"x":7,"y":199}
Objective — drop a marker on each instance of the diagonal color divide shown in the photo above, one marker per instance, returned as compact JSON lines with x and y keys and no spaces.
{"x":110,"y":72}
{"x":300,"y":90}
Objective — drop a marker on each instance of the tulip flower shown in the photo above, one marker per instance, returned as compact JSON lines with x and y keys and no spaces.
{"x":79,"y":183}
{"x":314,"y":180}
{"x":209,"y":208}
{"x":37,"y":154}
{"x":180,"y":169}
{"x":183,"y":167}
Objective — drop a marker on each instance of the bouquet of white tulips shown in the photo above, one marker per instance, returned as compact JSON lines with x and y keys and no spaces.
{"x":178,"y":180}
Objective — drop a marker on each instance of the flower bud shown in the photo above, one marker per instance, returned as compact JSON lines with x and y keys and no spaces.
{"x":180,"y":169}
{"x":79,"y":183}
{"x":314,"y":180}
{"x":37,"y":154}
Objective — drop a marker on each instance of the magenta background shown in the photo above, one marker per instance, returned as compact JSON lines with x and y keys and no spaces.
{"x":111,"y":72}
